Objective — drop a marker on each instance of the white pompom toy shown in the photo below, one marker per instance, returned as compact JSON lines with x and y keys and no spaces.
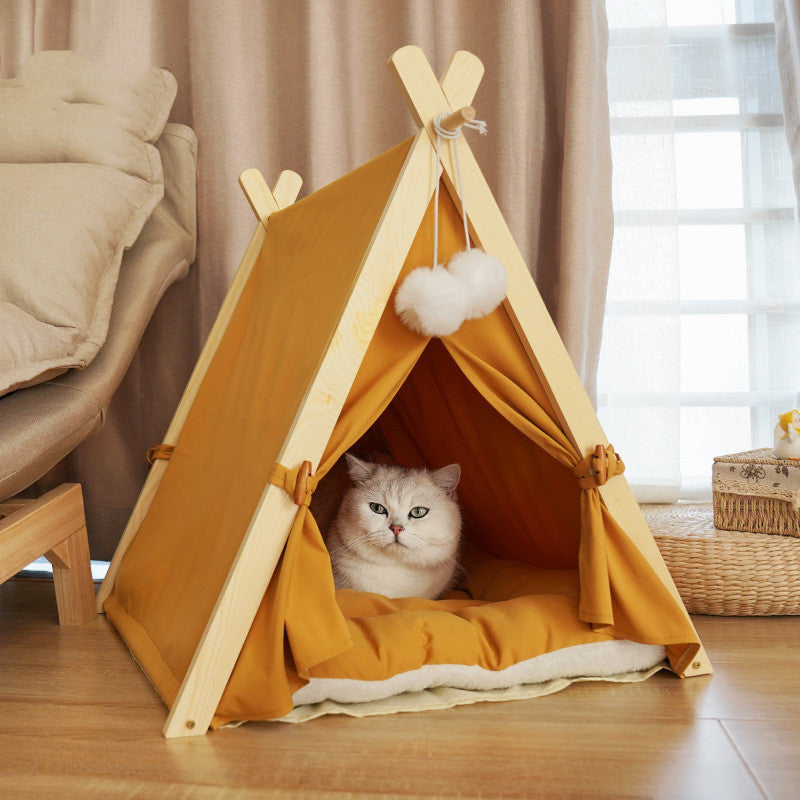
{"x":436,"y":301}
{"x":431,"y":301}
{"x":483,"y":278}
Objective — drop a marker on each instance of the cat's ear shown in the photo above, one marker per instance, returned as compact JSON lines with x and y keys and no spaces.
{"x":447,"y":478}
{"x":358,"y":470}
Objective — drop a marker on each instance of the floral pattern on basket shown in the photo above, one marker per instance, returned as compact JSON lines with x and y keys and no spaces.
{"x":759,"y":473}
{"x":754,"y":491}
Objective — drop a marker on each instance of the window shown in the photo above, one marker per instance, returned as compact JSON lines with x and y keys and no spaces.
{"x":702,"y":326}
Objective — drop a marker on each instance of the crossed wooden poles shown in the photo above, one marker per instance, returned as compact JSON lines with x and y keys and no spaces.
{"x":266,"y":535}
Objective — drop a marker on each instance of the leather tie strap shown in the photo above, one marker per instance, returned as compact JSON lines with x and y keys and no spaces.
{"x":598,"y":467}
{"x":299,"y":483}
{"x":160,"y":451}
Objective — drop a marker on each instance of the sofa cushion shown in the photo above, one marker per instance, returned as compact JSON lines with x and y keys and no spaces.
{"x":43,"y":423}
{"x":80,"y":176}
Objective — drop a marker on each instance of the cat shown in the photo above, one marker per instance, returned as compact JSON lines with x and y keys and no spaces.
{"x":397,"y":530}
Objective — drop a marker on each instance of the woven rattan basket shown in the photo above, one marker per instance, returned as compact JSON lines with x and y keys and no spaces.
{"x":756,"y":492}
{"x":724,"y":572}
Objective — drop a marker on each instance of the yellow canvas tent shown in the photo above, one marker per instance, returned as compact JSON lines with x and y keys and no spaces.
{"x":222,"y":586}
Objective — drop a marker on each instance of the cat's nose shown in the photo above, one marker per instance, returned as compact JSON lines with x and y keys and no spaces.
{"x":395,"y":529}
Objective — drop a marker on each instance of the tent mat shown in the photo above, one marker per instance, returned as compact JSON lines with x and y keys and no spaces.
{"x":443,"y":697}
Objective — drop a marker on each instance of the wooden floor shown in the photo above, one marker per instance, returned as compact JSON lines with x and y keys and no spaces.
{"x":78,"y":719}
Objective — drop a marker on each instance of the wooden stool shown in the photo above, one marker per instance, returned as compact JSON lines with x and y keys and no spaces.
{"x":54,"y":526}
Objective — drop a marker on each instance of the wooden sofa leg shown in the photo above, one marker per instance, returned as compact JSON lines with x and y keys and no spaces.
{"x":72,"y":575}
{"x":54,"y":526}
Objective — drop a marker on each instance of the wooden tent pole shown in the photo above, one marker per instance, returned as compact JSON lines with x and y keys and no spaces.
{"x":426,"y":99}
{"x":265,"y":203}
{"x":461,"y":79}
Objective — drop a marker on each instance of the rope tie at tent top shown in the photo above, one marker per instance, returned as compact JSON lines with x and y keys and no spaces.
{"x":445,"y":133}
{"x":598,"y":467}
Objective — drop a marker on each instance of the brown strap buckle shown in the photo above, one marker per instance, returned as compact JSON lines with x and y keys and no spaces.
{"x":160,"y":451}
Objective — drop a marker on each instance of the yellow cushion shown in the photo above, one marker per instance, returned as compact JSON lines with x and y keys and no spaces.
{"x":519,"y":612}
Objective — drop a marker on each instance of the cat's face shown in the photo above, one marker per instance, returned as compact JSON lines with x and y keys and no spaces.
{"x":395,"y":513}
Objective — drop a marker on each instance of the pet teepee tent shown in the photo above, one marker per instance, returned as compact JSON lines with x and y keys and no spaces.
{"x":221,"y":585}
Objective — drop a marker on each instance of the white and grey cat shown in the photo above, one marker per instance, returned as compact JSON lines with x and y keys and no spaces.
{"x":397,"y":530}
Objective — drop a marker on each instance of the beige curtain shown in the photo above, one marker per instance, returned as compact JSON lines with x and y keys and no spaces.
{"x":302,"y":84}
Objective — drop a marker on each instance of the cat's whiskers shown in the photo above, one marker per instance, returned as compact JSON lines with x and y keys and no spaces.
{"x":340,"y":545}
{"x":426,"y":543}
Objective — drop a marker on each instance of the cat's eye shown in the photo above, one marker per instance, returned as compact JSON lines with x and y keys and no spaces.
{"x":418,"y":512}
{"x":378,"y":508}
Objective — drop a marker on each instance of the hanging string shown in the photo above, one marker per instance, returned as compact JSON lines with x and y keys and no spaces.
{"x":443,"y":133}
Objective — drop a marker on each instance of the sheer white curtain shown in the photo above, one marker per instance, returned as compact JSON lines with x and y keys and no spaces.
{"x":787,"y":36}
{"x":703,"y":312}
